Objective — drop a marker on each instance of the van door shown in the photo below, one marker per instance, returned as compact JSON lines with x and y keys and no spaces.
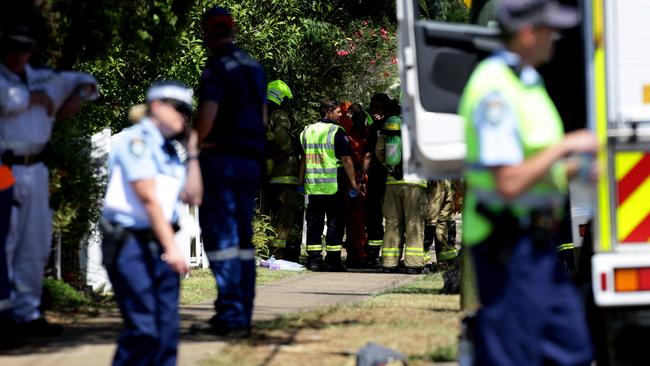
{"x":436,"y":62}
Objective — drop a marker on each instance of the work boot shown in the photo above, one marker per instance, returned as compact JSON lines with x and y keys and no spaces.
{"x":373,"y":260}
{"x":335,"y":267}
{"x":414,"y":270}
{"x":355,"y":263}
{"x":389,"y":270}
{"x":315,"y":266}
{"x":373,"y":263}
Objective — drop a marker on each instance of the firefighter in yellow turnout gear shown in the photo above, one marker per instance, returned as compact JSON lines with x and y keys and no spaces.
{"x":440,"y":230}
{"x":404,"y":205}
{"x":284,"y":195}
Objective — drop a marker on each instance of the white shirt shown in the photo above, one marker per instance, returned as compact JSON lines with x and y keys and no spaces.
{"x":26,"y":129}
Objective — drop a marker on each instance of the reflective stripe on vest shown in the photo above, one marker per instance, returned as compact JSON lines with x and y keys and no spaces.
{"x":320,"y":157}
{"x":539,"y":127}
{"x":285,"y":180}
{"x":333,"y":248}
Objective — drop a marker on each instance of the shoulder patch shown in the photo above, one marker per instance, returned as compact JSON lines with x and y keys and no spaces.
{"x":493,"y":109}
{"x":137,"y":147}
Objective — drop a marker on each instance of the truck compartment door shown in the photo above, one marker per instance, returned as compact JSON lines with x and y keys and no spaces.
{"x":436,"y":62}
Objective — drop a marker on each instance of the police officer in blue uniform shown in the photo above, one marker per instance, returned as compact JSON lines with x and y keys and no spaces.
{"x":231,"y":125}
{"x":31,"y":101}
{"x":516,"y":184}
{"x":7,"y":338}
{"x":152,"y":165}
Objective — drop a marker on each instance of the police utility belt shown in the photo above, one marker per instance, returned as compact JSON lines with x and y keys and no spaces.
{"x":540,"y":225}
{"x":115,"y":236}
{"x":8,"y":158}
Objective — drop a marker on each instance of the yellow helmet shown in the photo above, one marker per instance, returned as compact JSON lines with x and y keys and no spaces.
{"x":277,"y":90}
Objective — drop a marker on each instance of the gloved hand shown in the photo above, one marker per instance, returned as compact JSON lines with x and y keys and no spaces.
{"x":300,"y":189}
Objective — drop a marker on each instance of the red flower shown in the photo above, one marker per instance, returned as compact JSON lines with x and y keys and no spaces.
{"x":342,"y":52}
{"x":384,"y":33}
{"x":372,"y":62}
{"x":387,"y":74}
{"x":365,"y":22}
{"x":393,"y":60}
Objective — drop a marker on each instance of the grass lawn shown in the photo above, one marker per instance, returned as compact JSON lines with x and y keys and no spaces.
{"x":200,"y":285}
{"x":415,"y":319}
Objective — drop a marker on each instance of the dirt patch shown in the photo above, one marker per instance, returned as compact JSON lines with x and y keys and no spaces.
{"x":415,"y":319}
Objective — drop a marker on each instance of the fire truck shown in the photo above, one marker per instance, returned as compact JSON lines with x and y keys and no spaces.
{"x":599,"y":79}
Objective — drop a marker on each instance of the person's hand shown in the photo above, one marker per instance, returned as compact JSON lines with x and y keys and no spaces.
{"x":192,"y":142}
{"x":362,"y":188}
{"x":581,"y":141}
{"x":38,"y":97}
{"x":357,"y":188}
{"x":175,"y":260}
{"x":582,"y":166}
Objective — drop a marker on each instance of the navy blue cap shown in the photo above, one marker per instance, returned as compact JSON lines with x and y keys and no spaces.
{"x":218,"y":18}
{"x":512,"y":14}
{"x":18,"y":37}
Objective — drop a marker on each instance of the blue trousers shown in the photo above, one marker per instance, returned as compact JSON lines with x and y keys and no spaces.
{"x":226,"y":219}
{"x":146,"y":290}
{"x":6,"y":200}
{"x":531,"y":313}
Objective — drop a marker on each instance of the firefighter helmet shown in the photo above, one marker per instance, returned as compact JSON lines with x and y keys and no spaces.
{"x":277,"y":90}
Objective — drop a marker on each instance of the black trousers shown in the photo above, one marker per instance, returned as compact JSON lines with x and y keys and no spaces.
{"x":319,"y":207}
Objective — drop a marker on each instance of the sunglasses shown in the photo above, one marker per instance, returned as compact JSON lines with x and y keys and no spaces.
{"x":180,"y":107}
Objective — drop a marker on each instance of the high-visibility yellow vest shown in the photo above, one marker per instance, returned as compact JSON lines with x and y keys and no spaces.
{"x":321,"y":163}
{"x":539,"y":126}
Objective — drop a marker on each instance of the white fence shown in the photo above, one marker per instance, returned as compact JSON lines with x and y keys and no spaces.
{"x":188,"y":238}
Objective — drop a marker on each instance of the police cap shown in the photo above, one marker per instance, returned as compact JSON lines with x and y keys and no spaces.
{"x":171,"y":90}
{"x":217,"y":21}
{"x":18,"y":37}
{"x":513,"y":14}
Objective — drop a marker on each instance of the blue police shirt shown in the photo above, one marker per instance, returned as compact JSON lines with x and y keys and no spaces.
{"x":141,"y":153}
{"x":237,"y":83}
{"x":496,"y":120}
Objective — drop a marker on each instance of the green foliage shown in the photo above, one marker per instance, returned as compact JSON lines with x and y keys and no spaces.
{"x":321,"y":49}
{"x":263,"y":233}
{"x":445,"y":10}
{"x":126,"y":45}
{"x":76,"y":191}
{"x":64,"y":297}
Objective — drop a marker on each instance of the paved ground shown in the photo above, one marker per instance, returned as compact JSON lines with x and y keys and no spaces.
{"x":92,"y":341}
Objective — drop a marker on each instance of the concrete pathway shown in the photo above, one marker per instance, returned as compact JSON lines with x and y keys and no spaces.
{"x":92,"y":341}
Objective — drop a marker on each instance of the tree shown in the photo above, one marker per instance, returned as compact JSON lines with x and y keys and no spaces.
{"x":343,"y":49}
